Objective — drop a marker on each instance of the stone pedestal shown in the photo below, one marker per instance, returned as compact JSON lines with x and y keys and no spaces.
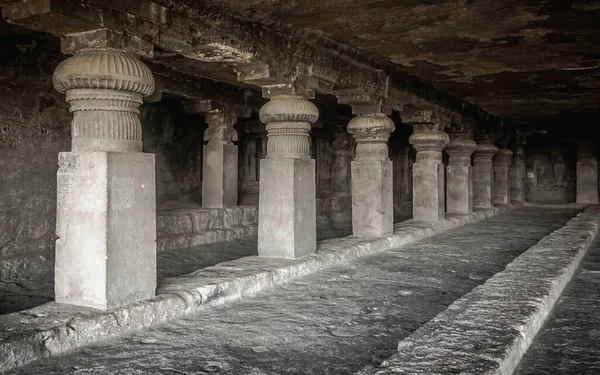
{"x":459,"y":175}
{"x":372,"y":184}
{"x":517,"y":180}
{"x":106,"y":214}
{"x":428,"y":170}
{"x":287,"y":196}
{"x":220,"y":162}
{"x":106,"y":228}
{"x":501,"y":163}
{"x":587,"y":176}
{"x":483,"y":174}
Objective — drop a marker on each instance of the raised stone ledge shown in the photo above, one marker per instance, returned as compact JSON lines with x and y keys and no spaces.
{"x":184,"y":228}
{"x":53,"y":329}
{"x":488,"y":330}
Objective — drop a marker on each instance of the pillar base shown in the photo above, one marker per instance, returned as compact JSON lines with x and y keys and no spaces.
{"x":106,"y":227}
{"x":287,"y":220}
{"x":428,"y":192}
{"x":219,"y":175}
{"x":372,"y":198}
{"x":459,"y":199}
{"x":587,"y":182}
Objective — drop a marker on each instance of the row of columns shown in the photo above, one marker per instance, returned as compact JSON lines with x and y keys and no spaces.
{"x":106,"y":214}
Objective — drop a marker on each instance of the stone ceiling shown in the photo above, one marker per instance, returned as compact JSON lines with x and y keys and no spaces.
{"x":524,"y":61}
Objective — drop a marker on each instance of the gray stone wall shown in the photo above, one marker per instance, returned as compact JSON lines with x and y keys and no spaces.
{"x":550,"y":171}
{"x":176,"y":138}
{"x":34,"y":127}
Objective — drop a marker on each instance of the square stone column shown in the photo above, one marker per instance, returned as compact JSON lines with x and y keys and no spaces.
{"x":372,"y":181}
{"x":428,"y":170}
{"x":287,"y":192}
{"x":517,"y":180}
{"x":459,"y":174}
{"x":483,"y":173}
{"x":106,"y":202}
{"x":501,"y":164}
{"x":587,"y":175}
{"x":220,"y":154}
{"x":341,"y":148}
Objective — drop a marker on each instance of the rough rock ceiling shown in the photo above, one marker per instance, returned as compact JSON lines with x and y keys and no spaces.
{"x":524,"y":61}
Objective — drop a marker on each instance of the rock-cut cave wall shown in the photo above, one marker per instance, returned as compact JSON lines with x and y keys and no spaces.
{"x":35,"y":127}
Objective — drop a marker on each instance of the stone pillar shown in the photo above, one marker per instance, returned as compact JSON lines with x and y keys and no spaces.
{"x":340,"y":169}
{"x":501,"y":163}
{"x":106,"y":210}
{"x":220,"y":154}
{"x":428,"y":169}
{"x":587,"y":175}
{"x":483,"y":173}
{"x":517,"y":180}
{"x":372,"y":184}
{"x":459,"y":174}
{"x":287,"y":192}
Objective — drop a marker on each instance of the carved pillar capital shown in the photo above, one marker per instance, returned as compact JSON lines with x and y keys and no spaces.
{"x":288,"y":119}
{"x":426,"y":138}
{"x":503,"y":157}
{"x":460,"y":149}
{"x":220,"y":119}
{"x":484,"y":152}
{"x":105,"y":88}
{"x":371,"y":133}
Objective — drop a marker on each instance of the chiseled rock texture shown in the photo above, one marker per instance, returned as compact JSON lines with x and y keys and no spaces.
{"x":54,"y":329}
{"x":187,"y":225}
{"x":489,"y":330}
{"x":569,"y":341}
{"x":331,"y":322}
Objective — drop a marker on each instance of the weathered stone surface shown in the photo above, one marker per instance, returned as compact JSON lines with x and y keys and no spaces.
{"x":106,"y":229}
{"x":459,"y":174}
{"x":54,"y":334}
{"x":501,"y":164}
{"x":587,"y":175}
{"x":191,"y":226}
{"x":550,"y":165}
{"x":372,"y":186}
{"x":489,"y":329}
{"x":287,"y":201}
{"x":331,"y":322}
{"x":483,"y":173}
{"x":568,"y":343}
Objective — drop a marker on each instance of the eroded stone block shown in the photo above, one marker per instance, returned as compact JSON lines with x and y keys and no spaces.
{"x":106,"y":228}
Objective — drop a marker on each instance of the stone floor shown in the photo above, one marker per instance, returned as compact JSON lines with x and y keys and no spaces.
{"x":37,"y":287}
{"x":569,"y":342}
{"x":332,"y":322}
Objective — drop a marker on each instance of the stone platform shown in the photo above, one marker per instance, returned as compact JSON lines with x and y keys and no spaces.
{"x":330,"y":322}
{"x":53,"y":329}
{"x":568,"y":342}
{"x":488,"y":330}
{"x":182,"y":224}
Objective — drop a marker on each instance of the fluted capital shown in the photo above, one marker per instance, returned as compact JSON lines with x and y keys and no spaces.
{"x":104,"y":88}
{"x":104,"y":69}
{"x":461,"y":146}
{"x":371,"y":126}
{"x":289,"y":108}
{"x":503,"y":156}
{"x":429,"y":140}
{"x":485,"y":151}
